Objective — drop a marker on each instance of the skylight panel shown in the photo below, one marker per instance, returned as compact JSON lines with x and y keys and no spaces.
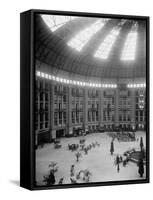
{"x":130,"y":47}
{"x":55,"y":21}
{"x":130,"y":44}
{"x":106,"y":46}
{"x":81,"y":39}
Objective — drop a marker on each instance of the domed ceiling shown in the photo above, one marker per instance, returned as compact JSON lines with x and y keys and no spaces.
{"x":97,"y":47}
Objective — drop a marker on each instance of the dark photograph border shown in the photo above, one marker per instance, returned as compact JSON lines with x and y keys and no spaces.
{"x":27,"y":96}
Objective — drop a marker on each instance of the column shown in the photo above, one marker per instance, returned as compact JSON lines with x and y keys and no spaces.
{"x":101,"y":121}
{"x":100,"y":108}
{"x":85,"y":110}
{"x":69,"y":112}
{"x":52,"y":127}
{"x":38,"y":102}
{"x":117,"y":107}
{"x":133,"y":108}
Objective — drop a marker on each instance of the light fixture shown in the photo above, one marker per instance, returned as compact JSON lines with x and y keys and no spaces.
{"x":74,"y":82}
{"x":136,"y":85}
{"x":38,"y":73}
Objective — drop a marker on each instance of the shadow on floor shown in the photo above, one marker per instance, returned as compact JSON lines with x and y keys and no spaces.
{"x":15,"y":182}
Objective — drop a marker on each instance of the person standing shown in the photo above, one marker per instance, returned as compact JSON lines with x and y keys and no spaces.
{"x":118,"y":168}
{"x":112,"y":148}
{"x":141,"y":144}
{"x":117,"y":159}
{"x":72,"y":170}
{"x":141,"y":167}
